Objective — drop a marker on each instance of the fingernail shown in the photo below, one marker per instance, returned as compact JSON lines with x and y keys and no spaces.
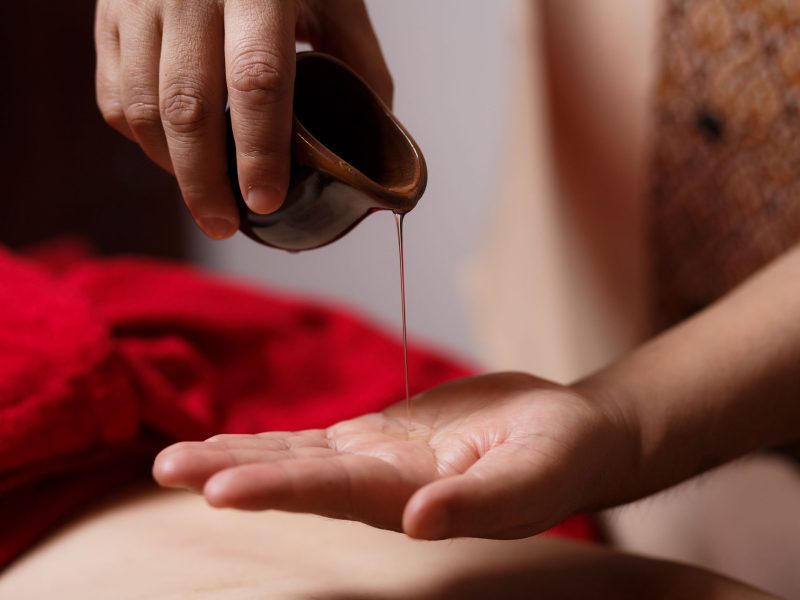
{"x":264,"y":199}
{"x":217,"y":228}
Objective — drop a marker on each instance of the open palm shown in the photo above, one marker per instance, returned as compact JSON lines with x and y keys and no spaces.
{"x":502,"y":455}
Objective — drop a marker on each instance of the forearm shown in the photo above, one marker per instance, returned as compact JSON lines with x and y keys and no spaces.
{"x":715,"y":387}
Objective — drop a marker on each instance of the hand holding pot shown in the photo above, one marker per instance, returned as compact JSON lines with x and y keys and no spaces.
{"x":165,"y":69}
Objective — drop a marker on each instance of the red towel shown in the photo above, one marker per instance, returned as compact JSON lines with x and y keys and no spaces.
{"x":104,"y":362}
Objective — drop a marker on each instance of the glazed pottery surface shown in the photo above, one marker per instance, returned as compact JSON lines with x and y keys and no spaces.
{"x":350,"y":157}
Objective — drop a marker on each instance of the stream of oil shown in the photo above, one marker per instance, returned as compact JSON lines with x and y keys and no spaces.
{"x":398,"y":219}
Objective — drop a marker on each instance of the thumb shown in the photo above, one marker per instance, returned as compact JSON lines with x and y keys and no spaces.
{"x":498,"y":497}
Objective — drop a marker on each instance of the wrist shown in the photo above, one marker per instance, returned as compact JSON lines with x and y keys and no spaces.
{"x":666,"y":441}
{"x":622,"y":479}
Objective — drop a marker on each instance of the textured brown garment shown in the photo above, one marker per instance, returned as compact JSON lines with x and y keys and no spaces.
{"x":727,"y":153}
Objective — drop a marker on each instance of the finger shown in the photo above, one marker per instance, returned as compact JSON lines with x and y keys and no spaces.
{"x":140,"y":51}
{"x":491,"y":499}
{"x":192,"y":106}
{"x":107,"y":73}
{"x":190,"y":465}
{"x":273,"y":440}
{"x":259,"y":55}
{"x":246,"y":441}
{"x":356,"y":44}
{"x":345,"y":486}
{"x":289,"y":439}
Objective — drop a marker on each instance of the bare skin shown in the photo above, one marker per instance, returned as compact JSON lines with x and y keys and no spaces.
{"x":165,"y":69}
{"x":486,"y":454}
{"x":507,"y":455}
{"x":150,"y":543}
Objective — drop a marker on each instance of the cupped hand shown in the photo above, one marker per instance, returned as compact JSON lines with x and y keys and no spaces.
{"x":500,"y":456}
{"x":166,"y":67}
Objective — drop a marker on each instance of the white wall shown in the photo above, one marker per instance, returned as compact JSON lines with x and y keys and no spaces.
{"x":450,"y":63}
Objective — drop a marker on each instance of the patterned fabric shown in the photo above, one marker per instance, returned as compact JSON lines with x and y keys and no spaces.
{"x":727,"y":146}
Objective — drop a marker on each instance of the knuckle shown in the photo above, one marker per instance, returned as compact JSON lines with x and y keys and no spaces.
{"x":257,"y":73}
{"x":142,"y":111}
{"x":183,"y":108}
{"x":256,"y":149}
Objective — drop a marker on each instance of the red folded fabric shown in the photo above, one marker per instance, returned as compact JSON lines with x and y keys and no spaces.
{"x":103,"y":362}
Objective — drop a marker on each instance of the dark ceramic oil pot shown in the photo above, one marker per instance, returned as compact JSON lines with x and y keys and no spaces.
{"x":350,"y":157}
